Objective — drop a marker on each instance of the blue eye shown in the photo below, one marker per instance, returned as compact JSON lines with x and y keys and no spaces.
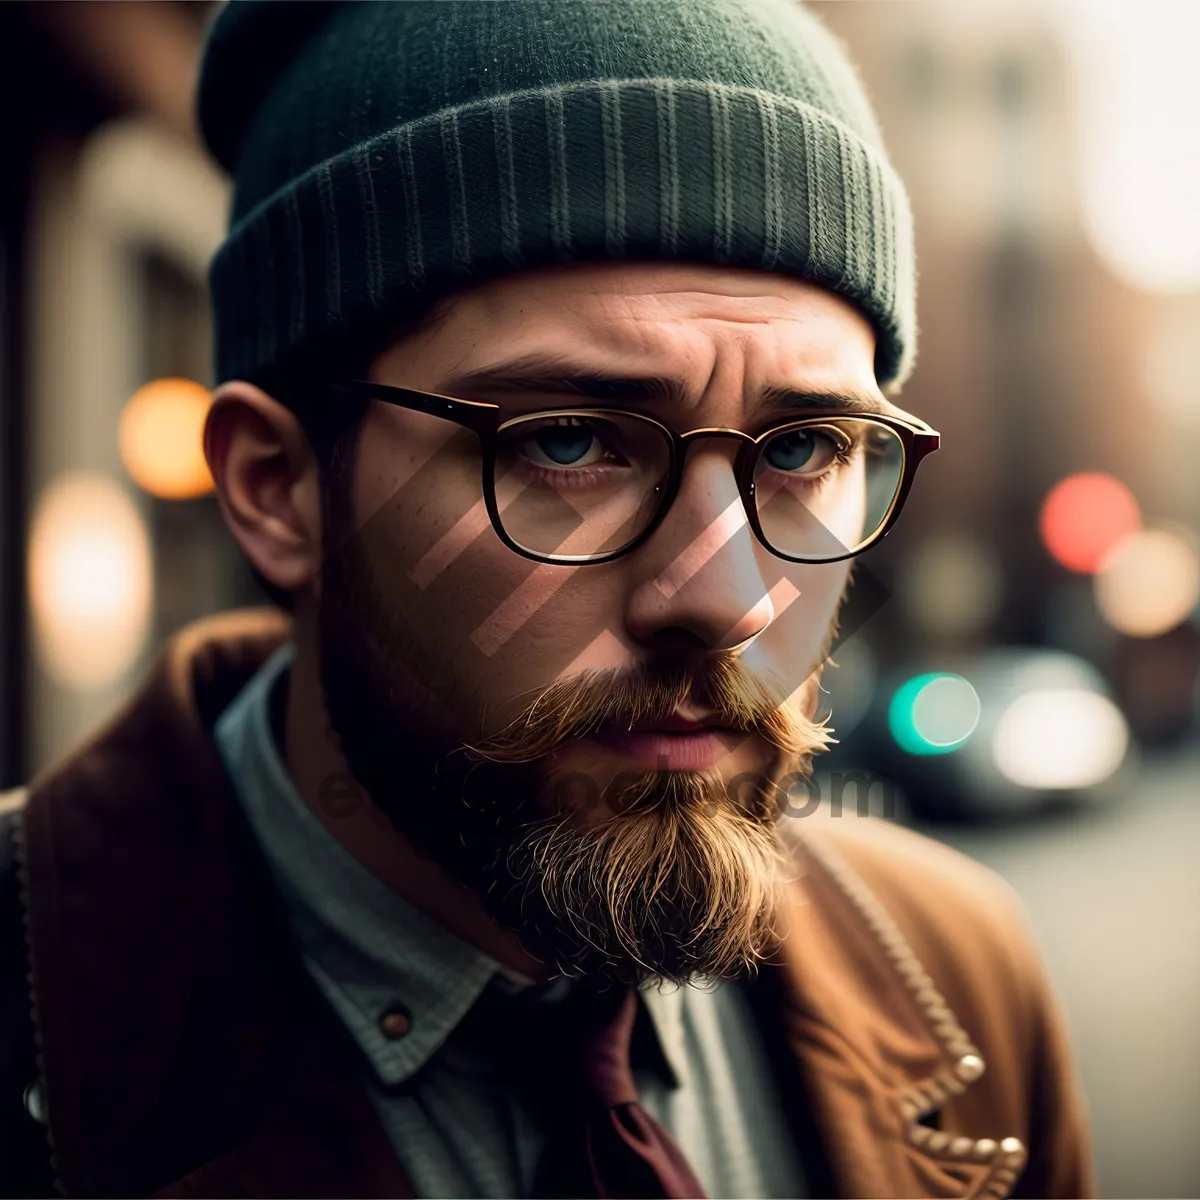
{"x":798,"y":449}
{"x":567,"y":442}
{"x":564,"y":445}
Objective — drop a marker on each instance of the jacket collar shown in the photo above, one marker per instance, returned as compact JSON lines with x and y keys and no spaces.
{"x":877,"y":1042}
{"x":176,"y":1073}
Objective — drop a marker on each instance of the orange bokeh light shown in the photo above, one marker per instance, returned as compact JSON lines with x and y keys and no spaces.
{"x":1084,"y":516}
{"x":161,"y":439}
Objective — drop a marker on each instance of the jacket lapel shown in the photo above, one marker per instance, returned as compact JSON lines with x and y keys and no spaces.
{"x":867,"y":1054}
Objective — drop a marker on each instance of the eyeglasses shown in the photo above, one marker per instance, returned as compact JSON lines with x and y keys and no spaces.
{"x":588,"y":485}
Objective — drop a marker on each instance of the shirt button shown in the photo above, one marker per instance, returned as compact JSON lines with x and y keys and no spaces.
{"x":395,"y":1022}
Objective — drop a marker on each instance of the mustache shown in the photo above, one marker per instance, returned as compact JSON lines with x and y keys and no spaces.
{"x":575,"y":707}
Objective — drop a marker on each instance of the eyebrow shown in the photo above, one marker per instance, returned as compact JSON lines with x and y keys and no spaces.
{"x":538,"y":374}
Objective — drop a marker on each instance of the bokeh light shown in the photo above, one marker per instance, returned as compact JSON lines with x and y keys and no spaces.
{"x":1171,"y":366}
{"x":1139,"y":108}
{"x":950,"y":585}
{"x":1148,"y":583}
{"x":1060,"y":738}
{"x":1084,"y":516}
{"x":90,"y":581}
{"x":933,"y":713}
{"x":161,"y":439}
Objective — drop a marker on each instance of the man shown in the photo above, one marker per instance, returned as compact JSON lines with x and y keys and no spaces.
{"x":554,"y":344}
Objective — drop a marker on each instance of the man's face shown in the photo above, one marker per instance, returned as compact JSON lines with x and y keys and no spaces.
{"x":594,"y":748}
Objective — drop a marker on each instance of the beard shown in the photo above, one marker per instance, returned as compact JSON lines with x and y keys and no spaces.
{"x":679,"y":878}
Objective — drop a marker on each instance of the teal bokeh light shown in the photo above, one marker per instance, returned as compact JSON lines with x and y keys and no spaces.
{"x":933,"y":713}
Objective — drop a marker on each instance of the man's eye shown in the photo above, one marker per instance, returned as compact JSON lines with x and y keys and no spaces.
{"x":570,"y":444}
{"x":805,"y":452}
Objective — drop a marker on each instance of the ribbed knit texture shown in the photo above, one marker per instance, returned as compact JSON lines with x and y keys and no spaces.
{"x":386,"y":152}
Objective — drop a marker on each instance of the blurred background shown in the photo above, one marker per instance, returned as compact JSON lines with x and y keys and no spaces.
{"x":1021,"y":677}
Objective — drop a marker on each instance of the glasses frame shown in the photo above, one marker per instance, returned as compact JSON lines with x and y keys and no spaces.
{"x":488,"y":421}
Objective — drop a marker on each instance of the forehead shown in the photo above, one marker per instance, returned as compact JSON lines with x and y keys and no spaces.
{"x":664,"y":314}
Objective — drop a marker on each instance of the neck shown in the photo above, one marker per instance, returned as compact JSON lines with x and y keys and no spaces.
{"x":323,"y":777}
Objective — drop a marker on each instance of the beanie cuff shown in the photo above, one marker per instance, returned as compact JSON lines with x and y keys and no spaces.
{"x":642,"y":169}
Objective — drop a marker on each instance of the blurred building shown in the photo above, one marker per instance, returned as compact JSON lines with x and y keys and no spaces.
{"x":1036,"y":360}
{"x":111,"y":212}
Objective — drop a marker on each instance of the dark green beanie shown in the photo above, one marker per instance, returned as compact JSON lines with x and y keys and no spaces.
{"x":386,"y":153}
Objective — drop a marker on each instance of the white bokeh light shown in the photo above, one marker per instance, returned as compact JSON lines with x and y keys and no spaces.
{"x":1060,"y":738}
{"x":1138,"y":100}
{"x":90,"y":581}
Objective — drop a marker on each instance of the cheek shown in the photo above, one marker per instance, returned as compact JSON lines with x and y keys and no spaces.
{"x":480,"y":626}
{"x":789,"y":650}
{"x":541,"y":624}
{"x":404,"y":461}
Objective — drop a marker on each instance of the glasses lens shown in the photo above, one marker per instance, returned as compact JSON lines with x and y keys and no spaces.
{"x":580,"y":484}
{"x":825,"y":490}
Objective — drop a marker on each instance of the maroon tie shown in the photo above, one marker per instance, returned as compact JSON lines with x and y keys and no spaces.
{"x":621,"y":1150}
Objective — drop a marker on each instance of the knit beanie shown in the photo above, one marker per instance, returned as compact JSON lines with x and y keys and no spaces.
{"x":386,"y":153}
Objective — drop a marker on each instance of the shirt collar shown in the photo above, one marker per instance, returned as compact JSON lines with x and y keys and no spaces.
{"x":366,"y":947}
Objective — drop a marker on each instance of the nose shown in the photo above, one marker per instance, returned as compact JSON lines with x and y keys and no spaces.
{"x":702,"y":578}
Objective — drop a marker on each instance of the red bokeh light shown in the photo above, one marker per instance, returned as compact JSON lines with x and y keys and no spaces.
{"x":1084,"y":516}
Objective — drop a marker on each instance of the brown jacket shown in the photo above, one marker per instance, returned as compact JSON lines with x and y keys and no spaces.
{"x":184,"y":1053}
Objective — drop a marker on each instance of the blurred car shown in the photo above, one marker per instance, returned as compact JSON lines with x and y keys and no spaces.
{"x":1003,"y":734}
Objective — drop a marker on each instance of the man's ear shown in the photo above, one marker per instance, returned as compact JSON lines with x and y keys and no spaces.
{"x":268,"y":483}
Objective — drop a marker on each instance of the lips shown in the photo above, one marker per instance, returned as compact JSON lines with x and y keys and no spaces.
{"x":674,"y":743}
